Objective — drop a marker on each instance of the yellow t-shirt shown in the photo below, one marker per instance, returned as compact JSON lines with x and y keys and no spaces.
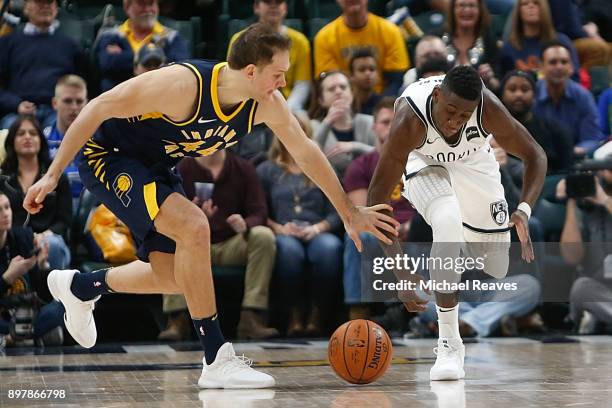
{"x":158,"y":29}
{"x":335,"y":42}
{"x":299,"y":57}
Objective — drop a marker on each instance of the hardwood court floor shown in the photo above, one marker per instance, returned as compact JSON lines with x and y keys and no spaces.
{"x":499,"y":373}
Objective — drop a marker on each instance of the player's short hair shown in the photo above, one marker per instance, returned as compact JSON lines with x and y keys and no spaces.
{"x":464,"y":82}
{"x":361,"y":52}
{"x":257,"y":45}
{"x":70,"y":81}
{"x":553,"y":44}
{"x":388,"y":102}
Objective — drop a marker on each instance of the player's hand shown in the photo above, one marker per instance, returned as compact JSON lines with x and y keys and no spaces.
{"x":370,"y":219}
{"x":519,"y":220}
{"x":237,"y":223}
{"x":339,"y":148}
{"x":37,"y":192}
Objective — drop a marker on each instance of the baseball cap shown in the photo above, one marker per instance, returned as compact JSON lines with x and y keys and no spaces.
{"x":150,"y":56}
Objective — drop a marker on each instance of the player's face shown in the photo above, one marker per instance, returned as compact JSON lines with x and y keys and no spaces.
{"x":271,"y":12}
{"x":365,"y":75}
{"x":335,"y":87}
{"x":68,"y":103}
{"x":6,"y":214}
{"x":142,"y":13}
{"x":529,"y":11}
{"x":41,"y":12}
{"x":382,"y":125}
{"x":27,"y":140}
{"x":556,"y":65}
{"x":272,"y":76}
{"x":518,"y":95}
{"x":466,"y":13}
{"x":450,"y":112}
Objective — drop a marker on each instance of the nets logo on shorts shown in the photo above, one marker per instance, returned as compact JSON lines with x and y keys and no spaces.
{"x":121,"y":186}
{"x":499,"y":212}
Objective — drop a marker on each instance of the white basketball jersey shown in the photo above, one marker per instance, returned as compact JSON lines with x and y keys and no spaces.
{"x":434,"y":147}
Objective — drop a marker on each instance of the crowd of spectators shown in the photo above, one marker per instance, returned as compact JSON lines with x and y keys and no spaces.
{"x":265,"y":215}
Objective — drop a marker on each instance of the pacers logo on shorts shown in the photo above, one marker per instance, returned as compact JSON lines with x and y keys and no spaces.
{"x":499,"y":212}
{"x":121,"y":186}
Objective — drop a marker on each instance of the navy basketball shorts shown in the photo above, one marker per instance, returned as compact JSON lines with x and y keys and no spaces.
{"x":132,"y":190}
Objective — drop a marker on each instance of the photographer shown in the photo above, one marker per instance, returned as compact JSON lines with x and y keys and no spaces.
{"x":22,"y":262}
{"x":591,"y":294}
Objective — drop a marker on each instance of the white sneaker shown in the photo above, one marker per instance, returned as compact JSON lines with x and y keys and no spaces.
{"x":232,"y":371}
{"x":78,"y":318}
{"x":449,"y":363}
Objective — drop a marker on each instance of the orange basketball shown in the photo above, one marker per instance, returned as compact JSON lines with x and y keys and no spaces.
{"x":360,"y":351}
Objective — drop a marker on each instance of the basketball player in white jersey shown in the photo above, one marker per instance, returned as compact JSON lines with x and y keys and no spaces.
{"x":438,"y":146}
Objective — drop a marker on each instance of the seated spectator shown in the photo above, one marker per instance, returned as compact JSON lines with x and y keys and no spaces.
{"x":470,"y":41}
{"x":23,"y":263}
{"x":357,"y":28}
{"x":297,"y":88}
{"x":428,"y":47}
{"x":308,"y":255}
{"x":341,"y":133}
{"x":592,"y":49}
{"x":148,"y":58}
{"x":27,"y":159}
{"x":237,"y":215}
{"x":70,"y":98}
{"x":518,"y":91}
{"x":363,"y":68}
{"x":591,"y":294}
{"x":32,"y":59}
{"x":356,"y":182}
{"x":531,"y":27}
{"x":116,"y":46}
{"x":563,"y":101}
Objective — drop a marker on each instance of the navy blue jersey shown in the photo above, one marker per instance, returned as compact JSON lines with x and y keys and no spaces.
{"x":155,"y":138}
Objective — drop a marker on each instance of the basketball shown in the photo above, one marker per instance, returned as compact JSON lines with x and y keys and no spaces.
{"x":360,"y":351}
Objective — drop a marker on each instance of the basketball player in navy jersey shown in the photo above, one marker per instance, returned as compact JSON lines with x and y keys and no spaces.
{"x":438,"y":146}
{"x":129,"y":139}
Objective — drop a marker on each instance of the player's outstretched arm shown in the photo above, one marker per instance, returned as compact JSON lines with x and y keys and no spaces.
{"x":163,"y":90}
{"x":308,"y":156}
{"x":406,"y":134}
{"x":516,"y":140}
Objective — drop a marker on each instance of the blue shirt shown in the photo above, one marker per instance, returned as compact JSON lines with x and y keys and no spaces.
{"x":54,"y":138}
{"x":605,"y":111}
{"x":576,"y":113}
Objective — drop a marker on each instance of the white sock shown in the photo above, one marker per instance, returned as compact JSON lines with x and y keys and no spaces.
{"x":448,"y":322}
